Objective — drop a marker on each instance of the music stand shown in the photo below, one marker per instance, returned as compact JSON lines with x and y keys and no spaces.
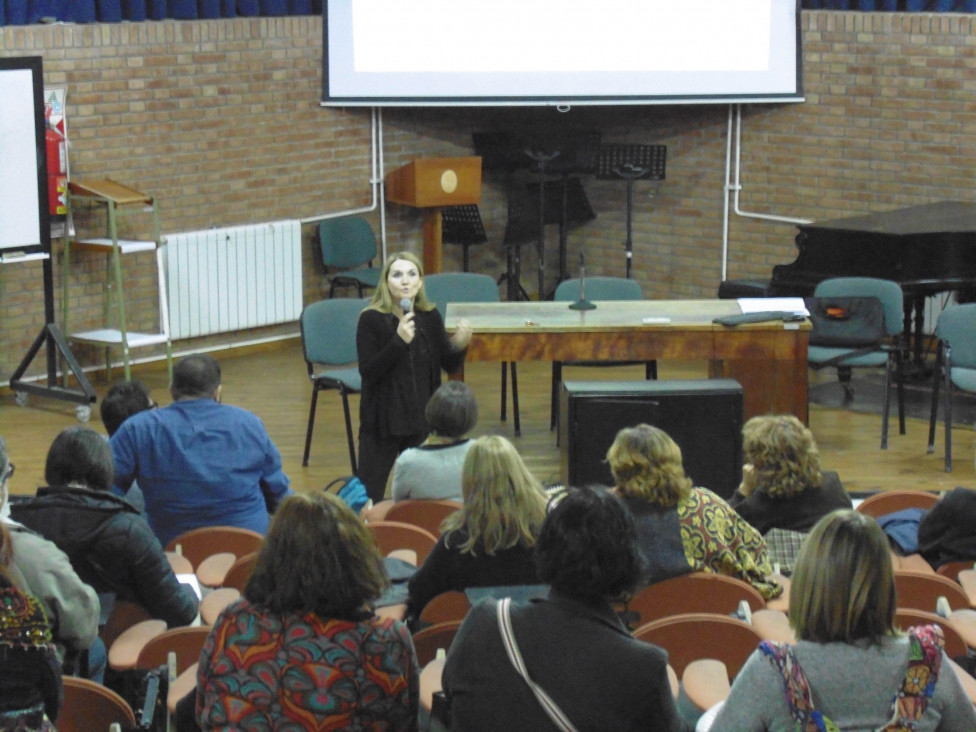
{"x":463,"y":225}
{"x":631,"y":162}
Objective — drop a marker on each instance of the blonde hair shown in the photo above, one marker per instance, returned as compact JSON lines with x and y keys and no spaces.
{"x":783,"y":453}
{"x":383,"y":298}
{"x":504,"y":504}
{"x":646,"y":464}
{"x":843,"y":586}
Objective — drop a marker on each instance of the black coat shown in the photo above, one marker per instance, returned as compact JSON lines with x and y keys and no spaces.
{"x":111,"y":547}
{"x":798,"y":513}
{"x":947,"y":532}
{"x":399,"y":377}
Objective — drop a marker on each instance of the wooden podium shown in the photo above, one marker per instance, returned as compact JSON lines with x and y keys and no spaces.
{"x":431,"y":184}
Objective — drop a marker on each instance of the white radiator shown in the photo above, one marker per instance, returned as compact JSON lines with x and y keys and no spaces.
{"x":222,"y":280}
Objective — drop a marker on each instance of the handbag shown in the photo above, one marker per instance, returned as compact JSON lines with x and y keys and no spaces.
{"x":846,"y":322}
{"x":515,"y":656}
{"x":352,"y":492}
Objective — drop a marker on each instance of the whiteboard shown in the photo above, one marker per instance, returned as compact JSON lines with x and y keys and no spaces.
{"x":23,"y":184}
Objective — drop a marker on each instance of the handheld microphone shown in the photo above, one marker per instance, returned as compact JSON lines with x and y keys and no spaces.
{"x":405,"y":305}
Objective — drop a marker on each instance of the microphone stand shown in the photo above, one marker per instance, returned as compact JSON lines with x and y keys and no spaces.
{"x":582,"y":303}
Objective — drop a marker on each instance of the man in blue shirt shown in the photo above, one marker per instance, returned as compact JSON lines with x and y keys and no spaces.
{"x":199,"y":462}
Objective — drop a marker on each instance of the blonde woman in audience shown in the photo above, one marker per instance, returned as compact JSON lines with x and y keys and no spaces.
{"x":681,"y":528}
{"x":851,"y":668}
{"x":489,"y":541}
{"x":784,"y":492}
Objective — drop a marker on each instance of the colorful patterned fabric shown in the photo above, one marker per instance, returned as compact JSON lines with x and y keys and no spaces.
{"x":908,"y":704}
{"x":31,"y":719}
{"x":716,"y":539}
{"x":260,"y":671}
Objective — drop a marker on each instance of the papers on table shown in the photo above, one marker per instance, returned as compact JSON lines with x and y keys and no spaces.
{"x":773,"y":304}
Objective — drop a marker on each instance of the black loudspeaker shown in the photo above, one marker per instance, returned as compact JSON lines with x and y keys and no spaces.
{"x":703,"y":416}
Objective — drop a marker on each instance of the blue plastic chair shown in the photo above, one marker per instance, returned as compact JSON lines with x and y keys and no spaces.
{"x":328,"y":330}
{"x":955,"y":364}
{"x":889,"y":355}
{"x":447,"y":287}
{"x":348,"y":248}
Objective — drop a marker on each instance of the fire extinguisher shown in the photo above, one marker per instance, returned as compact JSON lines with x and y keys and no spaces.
{"x":57,"y":171}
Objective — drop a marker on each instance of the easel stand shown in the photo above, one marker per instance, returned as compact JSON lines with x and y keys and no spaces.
{"x":630,"y":163}
{"x":51,"y":337}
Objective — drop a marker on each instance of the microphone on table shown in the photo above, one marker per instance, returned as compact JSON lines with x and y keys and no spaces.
{"x":405,"y":305}
{"x":582,"y":303}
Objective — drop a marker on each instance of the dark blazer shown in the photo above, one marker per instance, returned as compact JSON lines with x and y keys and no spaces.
{"x":799,"y":513}
{"x":579,"y":653}
{"x":947,"y":532}
{"x":111,"y":547}
{"x":399,"y":377}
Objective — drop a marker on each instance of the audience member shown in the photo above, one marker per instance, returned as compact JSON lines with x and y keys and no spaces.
{"x":783,"y":491}
{"x":30,"y":672}
{"x":947,"y":531}
{"x":120,"y":402}
{"x":302,"y":649}
{"x":587,"y":552}
{"x":109,"y":544}
{"x":199,"y":462}
{"x":851,"y":668}
{"x":37,"y":567}
{"x":401,"y":354}
{"x":433,"y":470}
{"x":489,"y":541}
{"x":681,"y":528}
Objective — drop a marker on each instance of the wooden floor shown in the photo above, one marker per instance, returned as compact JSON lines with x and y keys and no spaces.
{"x":272,"y":383}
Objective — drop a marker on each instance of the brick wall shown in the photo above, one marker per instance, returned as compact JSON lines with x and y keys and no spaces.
{"x":220,"y":121}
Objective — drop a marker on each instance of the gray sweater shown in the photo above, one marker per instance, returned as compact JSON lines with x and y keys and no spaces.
{"x":853,"y":685}
{"x":430,"y":471}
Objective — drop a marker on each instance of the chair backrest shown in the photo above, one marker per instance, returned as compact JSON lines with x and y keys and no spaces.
{"x":957,"y":327}
{"x":886,"y":502}
{"x":446,"y":287}
{"x":922,"y":590}
{"x":889,"y":293}
{"x":952,"y":569}
{"x":90,"y":707}
{"x":346,"y":242}
{"x":434,"y":637}
{"x":955,"y":645}
{"x":698,"y":592}
{"x":393,"y":535}
{"x":445,"y":607}
{"x":240,"y":572}
{"x":692,"y":636}
{"x":599,"y":288}
{"x":198,"y":544}
{"x":185,"y":642}
{"x":124,"y":615}
{"x":329,"y":330}
{"x":425,"y":513}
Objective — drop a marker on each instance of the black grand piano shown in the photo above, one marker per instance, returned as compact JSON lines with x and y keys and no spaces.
{"x":926,"y":249}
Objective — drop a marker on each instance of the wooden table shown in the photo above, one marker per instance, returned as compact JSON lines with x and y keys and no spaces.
{"x":768,"y":359}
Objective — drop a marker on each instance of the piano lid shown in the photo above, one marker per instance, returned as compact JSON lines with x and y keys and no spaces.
{"x":929,"y":218}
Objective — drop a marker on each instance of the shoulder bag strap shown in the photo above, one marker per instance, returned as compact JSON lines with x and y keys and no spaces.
{"x":515,"y":656}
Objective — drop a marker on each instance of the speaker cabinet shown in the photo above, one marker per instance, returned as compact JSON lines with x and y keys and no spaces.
{"x":703,"y":416}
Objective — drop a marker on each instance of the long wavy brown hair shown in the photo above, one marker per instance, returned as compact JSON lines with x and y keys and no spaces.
{"x":646,"y":464}
{"x":783,"y":454}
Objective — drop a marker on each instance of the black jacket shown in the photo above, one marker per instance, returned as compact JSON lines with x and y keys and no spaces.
{"x":111,"y":547}
{"x":947,"y":532}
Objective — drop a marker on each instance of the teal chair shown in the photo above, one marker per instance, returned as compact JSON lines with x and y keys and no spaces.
{"x":348,"y":248}
{"x":889,"y":355}
{"x":328,"y":330}
{"x":597,"y":289}
{"x":447,"y":287}
{"x":955,"y":365}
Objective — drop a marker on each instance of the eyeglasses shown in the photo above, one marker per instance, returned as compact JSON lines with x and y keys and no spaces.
{"x":9,"y":472}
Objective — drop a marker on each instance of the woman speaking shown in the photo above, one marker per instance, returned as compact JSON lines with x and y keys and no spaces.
{"x":402,"y":347}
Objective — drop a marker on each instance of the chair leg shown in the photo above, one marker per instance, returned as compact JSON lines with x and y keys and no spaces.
{"x":515,"y":410}
{"x":900,"y":383}
{"x":557,"y":377}
{"x":948,"y":409}
{"x":352,"y":446}
{"x":650,"y":370}
{"x":504,"y":408}
{"x":886,"y":407}
{"x":311,"y":423}
{"x":934,"y":412}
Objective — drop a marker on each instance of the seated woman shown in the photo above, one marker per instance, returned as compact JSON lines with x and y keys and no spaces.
{"x":947,"y":531}
{"x":783,"y":491}
{"x":587,"y":553}
{"x":681,"y":528}
{"x":109,"y":544}
{"x":489,"y":541}
{"x":433,"y":470}
{"x":302,"y":649}
{"x":863,"y":673}
{"x":30,"y":674}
